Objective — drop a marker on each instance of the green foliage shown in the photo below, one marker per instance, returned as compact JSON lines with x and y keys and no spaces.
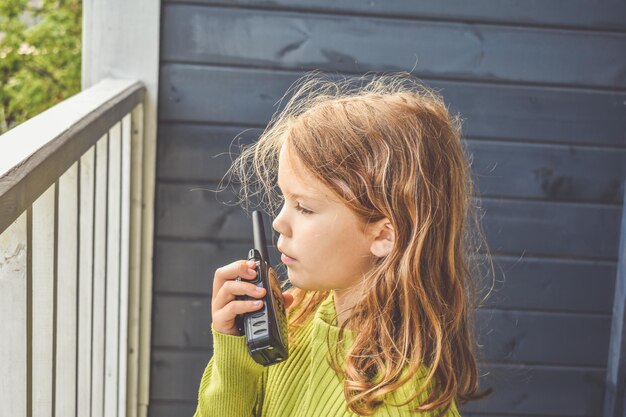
{"x":40,"y":56}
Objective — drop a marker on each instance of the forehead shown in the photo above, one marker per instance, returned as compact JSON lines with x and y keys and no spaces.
{"x":294,"y":179}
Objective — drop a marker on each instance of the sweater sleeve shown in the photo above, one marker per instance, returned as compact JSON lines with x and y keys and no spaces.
{"x":232,"y":382}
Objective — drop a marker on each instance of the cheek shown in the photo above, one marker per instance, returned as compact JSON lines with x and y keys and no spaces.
{"x":337,"y":257}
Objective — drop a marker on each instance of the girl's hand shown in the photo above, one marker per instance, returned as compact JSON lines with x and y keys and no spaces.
{"x":224,"y":307}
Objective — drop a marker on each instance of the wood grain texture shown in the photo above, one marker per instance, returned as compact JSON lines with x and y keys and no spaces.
{"x":357,"y":44}
{"x":609,"y":15}
{"x":552,"y":229}
{"x":545,"y":284}
{"x":540,"y":90}
{"x":199,"y":152}
{"x":248,"y":97}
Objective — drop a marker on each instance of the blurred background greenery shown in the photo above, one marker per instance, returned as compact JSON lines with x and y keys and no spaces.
{"x":40,"y":56}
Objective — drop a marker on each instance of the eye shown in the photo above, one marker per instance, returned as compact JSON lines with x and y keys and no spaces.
{"x":302,"y":209}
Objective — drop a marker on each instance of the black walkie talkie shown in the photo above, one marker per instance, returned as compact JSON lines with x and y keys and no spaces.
{"x":265,"y":329}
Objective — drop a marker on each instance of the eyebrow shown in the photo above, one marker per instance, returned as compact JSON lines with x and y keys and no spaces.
{"x":296,"y":195}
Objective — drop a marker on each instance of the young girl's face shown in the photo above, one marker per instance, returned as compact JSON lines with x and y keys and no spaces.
{"x":321,"y":240}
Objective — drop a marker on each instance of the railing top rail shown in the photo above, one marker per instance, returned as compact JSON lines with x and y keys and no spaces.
{"x":36,"y":153}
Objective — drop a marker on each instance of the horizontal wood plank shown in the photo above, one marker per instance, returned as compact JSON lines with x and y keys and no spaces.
{"x":172,"y":409}
{"x":543,"y":338}
{"x":249,"y":97}
{"x":548,"y":172}
{"x":184,"y":367}
{"x":552,"y":229}
{"x":518,"y":390}
{"x":184,"y":322}
{"x":564,"y":285}
{"x":190,"y":152}
{"x":545,"y":391}
{"x":360,"y":44}
{"x":199,"y":152}
{"x":207,"y":209}
{"x":507,"y":336}
{"x":512,"y":227}
{"x":193,"y":264}
{"x":609,"y":15}
{"x":557,"y":285}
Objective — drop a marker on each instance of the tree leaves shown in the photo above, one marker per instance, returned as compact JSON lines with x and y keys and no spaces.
{"x":40,"y":57}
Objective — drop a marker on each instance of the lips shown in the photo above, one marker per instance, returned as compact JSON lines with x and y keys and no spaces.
{"x":286,"y":259}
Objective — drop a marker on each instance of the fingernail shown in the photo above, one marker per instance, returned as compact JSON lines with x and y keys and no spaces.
{"x":250,"y":263}
{"x":251,"y":271}
{"x":258,"y":303}
{"x":259,"y":289}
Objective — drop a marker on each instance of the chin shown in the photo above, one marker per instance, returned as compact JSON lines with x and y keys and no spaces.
{"x":301,"y":284}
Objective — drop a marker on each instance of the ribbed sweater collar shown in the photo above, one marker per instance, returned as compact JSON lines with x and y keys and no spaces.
{"x":325,"y":318}
{"x":326,"y":311}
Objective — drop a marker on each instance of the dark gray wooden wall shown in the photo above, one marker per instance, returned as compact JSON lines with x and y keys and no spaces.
{"x":542,"y":89}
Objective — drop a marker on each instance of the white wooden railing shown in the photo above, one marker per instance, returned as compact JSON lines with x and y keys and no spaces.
{"x":71,"y":303}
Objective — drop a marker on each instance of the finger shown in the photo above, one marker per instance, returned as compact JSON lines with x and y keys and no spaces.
{"x":231,"y":289}
{"x":241,"y":268}
{"x":227,"y":314}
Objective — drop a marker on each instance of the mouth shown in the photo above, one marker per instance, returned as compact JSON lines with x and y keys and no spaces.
{"x":286,"y":259}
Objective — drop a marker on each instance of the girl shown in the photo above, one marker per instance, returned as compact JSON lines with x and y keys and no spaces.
{"x":375,"y":234}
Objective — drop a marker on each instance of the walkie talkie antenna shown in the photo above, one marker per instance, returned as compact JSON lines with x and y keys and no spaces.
{"x":259,"y":235}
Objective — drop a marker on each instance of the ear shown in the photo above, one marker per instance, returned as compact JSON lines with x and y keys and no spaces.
{"x":383,"y":237}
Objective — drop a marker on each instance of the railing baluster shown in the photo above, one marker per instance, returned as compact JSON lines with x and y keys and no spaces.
{"x":66,"y":292}
{"x":43,"y":302}
{"x":13,"y":319}
{"x":113,"y":262}
{"x":124,"y":245}
{"x":85,"y":285}
{"x":74,"y":264}
{"x":99,"y":279}
{"x":135,"y":399}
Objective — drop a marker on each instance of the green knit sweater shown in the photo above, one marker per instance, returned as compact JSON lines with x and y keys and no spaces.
{"x":304,"y":385}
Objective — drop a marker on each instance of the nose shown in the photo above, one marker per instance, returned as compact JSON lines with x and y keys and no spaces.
{"x":280,"y":223}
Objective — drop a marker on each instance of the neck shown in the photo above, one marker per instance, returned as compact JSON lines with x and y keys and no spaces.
{"x":345,"y":300}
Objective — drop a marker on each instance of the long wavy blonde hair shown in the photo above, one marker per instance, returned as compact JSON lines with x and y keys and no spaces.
{"x":388,"y":147}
